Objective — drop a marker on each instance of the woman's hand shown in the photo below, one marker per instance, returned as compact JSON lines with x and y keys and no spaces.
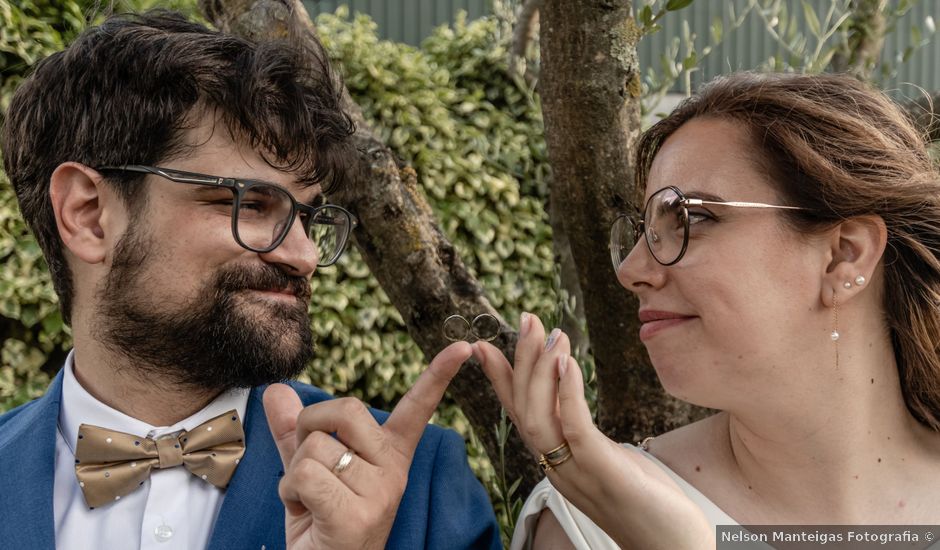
{"x":634,"y":501}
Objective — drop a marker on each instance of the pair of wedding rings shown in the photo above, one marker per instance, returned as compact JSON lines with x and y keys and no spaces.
{"x":484,"y":327}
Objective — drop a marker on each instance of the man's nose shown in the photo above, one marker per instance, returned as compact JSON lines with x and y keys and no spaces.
{"x":297,"y":253}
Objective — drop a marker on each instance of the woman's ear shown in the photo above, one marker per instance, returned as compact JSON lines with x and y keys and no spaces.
{"x":75,"y":192}
{"x":856,"y":246}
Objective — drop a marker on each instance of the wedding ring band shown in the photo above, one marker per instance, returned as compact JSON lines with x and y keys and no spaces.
{"x":344,"y":461}
{"x":554,"y":458}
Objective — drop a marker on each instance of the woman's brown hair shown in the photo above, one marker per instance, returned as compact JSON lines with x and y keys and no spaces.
{"x":840,"y":148}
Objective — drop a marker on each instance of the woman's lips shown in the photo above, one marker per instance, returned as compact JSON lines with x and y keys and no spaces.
{"x":654,"y":322}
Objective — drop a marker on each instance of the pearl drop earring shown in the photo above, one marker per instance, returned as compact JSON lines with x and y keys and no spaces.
{"x":860,"y":280}
{"x":847,"y":284}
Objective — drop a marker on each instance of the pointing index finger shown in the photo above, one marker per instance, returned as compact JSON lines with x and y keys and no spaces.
{"x":408,"y":420}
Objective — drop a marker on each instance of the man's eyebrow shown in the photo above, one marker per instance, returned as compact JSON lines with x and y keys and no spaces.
{"x":316,"y":199}
{"x":208,"y":189}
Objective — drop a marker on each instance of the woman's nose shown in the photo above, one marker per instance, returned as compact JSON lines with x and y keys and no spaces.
{"x":640,"y":270}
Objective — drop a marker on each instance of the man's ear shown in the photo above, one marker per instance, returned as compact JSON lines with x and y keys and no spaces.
{"x":76,"y":194}
{"x":856,"y":246}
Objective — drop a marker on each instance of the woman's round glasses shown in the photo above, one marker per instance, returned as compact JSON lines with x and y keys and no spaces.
{"x":263,"y":213}
{"x":665,"y":225}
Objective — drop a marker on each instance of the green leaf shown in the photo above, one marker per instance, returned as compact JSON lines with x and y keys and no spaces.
{"x":716,"y":29}
{"x":908,"y":51}
{"x":646,"y":15}
{"x":812,"y":21}
{"x":674,"y":5}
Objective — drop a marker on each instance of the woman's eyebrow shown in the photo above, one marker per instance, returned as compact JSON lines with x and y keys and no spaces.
{"x":702,"y":195}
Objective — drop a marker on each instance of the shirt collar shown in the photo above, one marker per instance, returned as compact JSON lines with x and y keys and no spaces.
{"x":80,"y":407}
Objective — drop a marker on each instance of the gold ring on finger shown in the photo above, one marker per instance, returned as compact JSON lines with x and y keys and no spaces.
{"x":554,"y":458}
{"x":344,"y":461}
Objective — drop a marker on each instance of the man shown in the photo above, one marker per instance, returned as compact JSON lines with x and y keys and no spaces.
{"x":174,"y":178}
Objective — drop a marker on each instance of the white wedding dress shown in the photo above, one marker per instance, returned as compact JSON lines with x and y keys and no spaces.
{"x":584,"y":534}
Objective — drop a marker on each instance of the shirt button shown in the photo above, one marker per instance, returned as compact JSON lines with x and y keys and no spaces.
{"x":163,"y":533}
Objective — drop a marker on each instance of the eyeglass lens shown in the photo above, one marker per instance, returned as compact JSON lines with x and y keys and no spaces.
{"x":329,"y":227}
{"x":264,"y":215}
{"x":664,"y":226}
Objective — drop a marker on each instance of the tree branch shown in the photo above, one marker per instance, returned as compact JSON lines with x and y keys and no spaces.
{"x":862,"y":52}
{"x":522,"y":35}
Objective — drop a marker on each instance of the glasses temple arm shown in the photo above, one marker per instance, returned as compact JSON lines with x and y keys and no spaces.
{"x":699,"y":202}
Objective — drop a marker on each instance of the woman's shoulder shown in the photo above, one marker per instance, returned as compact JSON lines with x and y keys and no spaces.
{"x":698,"y":457}
{"x":691,"y":449}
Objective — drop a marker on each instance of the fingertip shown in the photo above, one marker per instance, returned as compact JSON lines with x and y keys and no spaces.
{"x":281,"y":406}
{"x":277,"y":393}
{"x":447,"y":363}
{"x":562,"y":365}
{"x":457,"y":350}
{"x":478,"y":353}
{"x":463,"y":348}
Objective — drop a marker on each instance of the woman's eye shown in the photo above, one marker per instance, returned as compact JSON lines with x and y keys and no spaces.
{"x":697,"y":217}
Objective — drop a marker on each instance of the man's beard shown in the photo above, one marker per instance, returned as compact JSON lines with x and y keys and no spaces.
{"x":218,"y":340}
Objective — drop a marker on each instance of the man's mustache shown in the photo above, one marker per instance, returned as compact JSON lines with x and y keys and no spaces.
{"x":264,"y":277}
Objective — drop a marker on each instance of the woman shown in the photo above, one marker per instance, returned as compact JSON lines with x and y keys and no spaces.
{"x":787,"y":273}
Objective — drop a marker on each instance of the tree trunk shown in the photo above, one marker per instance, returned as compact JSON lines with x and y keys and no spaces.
{"x":590,"y":89}
{"x":398,"y":235}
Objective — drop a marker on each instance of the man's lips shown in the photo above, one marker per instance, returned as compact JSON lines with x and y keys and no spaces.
{"x":655,"y":321}
{"x":279,"y":294}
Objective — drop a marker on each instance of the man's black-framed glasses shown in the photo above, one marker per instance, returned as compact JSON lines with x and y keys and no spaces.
{"x":665,"y":225}
{"x":263,"y":213}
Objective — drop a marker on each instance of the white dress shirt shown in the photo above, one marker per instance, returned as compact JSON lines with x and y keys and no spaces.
{"x":173,"y":510}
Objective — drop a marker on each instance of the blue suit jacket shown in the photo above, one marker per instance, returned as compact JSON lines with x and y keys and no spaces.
{"x":444,"y":505}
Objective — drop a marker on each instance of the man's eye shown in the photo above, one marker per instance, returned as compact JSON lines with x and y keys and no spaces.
{"x":250,"y":205}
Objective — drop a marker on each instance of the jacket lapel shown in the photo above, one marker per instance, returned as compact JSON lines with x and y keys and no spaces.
{"x":252,"y":515}
{"x":27,"y":472}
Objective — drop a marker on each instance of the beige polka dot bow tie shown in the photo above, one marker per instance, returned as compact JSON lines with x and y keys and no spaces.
{"x":111,"y":465}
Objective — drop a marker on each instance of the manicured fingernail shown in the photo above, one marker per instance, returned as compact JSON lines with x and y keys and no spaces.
{"x":524,"y":321}
{"x":562,"y":365}
{"x":478,"y":353}
{"x":552,"y":338}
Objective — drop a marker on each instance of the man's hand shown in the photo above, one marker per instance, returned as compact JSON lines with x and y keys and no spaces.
{"x":354,"y":508}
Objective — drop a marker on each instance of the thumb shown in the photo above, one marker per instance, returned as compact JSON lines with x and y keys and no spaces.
{"x":282,"y":406}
